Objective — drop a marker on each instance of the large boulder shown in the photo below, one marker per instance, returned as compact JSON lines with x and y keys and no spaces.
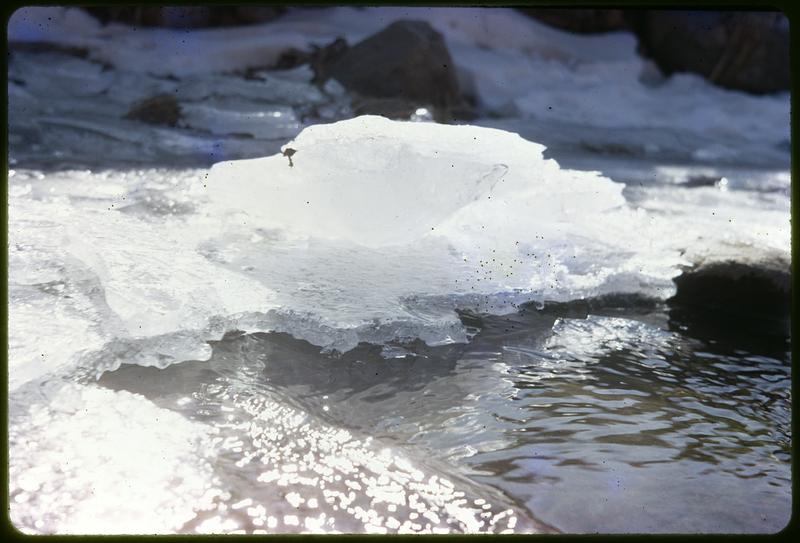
{"x":407,"y":60}
{"x":738,"y":286}
{"x":736,"y":302}
{"x":746,"y":51}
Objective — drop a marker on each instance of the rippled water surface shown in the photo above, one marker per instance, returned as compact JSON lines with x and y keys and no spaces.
{"x":629,"y":421}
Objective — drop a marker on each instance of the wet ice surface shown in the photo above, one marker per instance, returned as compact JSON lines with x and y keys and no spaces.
{"x":245,"y":459}
{"x":629,"y":419}
{"x":377,"y":401}
{"x":606,"y":423}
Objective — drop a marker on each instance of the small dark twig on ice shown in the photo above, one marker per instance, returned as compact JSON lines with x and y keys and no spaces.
{"x":288,"y":152}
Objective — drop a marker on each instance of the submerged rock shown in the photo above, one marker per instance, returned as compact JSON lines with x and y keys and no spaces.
{"x":162,"y":109}
{"x":736,"y":301}
{"x":741,"y":286}
{"x":407,"y":60}
{"x":746,"y":51}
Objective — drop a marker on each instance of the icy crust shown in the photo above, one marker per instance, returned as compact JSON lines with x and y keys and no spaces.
{"x":76,"y":464}
{"x":67,"y":109}
{"x":377,"y":221}
{"x":377,"y":231}
{"x":83,"y":276}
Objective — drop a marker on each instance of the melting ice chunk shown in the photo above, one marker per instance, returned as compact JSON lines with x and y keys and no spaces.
{"x":378,"y":182}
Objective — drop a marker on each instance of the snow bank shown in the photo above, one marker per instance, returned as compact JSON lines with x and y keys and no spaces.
{"x":521,"y":68}
{"x":193,"y":51}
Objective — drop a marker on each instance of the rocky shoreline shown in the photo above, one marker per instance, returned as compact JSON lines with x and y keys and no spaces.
{"x":740,"y":50}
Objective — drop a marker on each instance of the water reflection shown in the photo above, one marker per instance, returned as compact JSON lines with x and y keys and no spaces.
{"x":631,"y":427}
{"x":593,"y":419}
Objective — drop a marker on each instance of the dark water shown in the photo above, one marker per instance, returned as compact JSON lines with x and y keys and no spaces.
{"x":602,"y":420}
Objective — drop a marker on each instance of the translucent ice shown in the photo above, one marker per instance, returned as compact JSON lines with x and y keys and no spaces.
{"x":376,"y":230}
{"x":376,"y":182}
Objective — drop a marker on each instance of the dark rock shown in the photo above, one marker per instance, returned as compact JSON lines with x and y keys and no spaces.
{"x":185,"y":16}
{"x":746,"y":51}
{"x":46,"y":47}
{"x":292,"y":58}
{"x":137,"y":16}
{"x":407,"y":60}
{"x":321,"y":58}
{"x":462,"y":111}
{"x":402,"y":109}
{"x":698,"y":181}
{"x":391,"y":108}
{"x":751,"y":288}
{"x":611,"y":148}
{"x":467,"y":87}
{"x":582,"y":21}
{"x":743,"y":303}
{"x":253,"y":14}
{"x":162,"y":109}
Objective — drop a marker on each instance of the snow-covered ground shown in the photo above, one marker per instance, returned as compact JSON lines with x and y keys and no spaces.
{"x":559,"y":85}
{"x":377,"y":231}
